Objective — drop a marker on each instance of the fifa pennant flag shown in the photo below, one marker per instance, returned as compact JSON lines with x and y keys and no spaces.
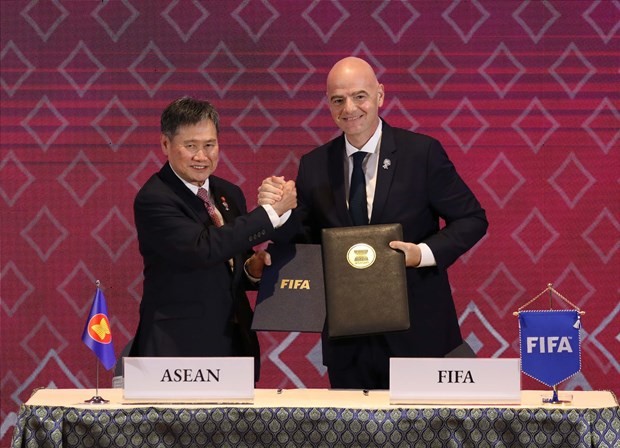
{"x":550,"y":345}
{"x":97,"y":334}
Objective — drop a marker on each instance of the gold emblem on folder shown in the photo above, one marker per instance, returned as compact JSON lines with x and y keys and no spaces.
{"x":361,"y":256}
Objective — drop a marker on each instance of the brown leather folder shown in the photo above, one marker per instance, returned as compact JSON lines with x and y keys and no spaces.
{"x":365,"y":282}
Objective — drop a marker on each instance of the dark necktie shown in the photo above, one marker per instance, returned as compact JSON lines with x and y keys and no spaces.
{"x":204,"y":195}
{"x":358,"y":208}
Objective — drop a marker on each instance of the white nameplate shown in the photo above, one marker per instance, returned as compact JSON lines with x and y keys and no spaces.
{"x":455,"y":380}
{"x":218,"y":380}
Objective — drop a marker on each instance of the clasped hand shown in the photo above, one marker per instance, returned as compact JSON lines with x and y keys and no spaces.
{"x":280,"y":194}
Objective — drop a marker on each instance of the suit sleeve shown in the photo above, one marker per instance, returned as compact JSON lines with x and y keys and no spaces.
{"x":452,"y":200}
{"x":168,"y":228}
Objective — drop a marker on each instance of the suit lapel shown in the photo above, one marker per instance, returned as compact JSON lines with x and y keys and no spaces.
{"x":222,"y":201}
{"x":179,"y":188}
{"x":335,"y":169}
{"x":385,"y":172}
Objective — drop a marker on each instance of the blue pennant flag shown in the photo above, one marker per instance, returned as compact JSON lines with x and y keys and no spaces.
{"x":97,"y":333}
{"x":550,"y":345}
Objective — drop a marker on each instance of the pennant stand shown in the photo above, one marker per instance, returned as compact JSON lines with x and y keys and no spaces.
{"x":550,"y":343}
{"x":97,"y":399}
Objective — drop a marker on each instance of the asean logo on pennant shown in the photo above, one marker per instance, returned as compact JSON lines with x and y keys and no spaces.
{"x":99,"y":329}
{"x":97,"y":334}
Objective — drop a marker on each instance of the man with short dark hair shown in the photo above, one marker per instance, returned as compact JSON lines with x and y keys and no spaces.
{"x":196,"y":237}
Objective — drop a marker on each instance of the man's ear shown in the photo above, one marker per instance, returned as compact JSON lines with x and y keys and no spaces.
{"x":380,"y":95}
{"x":165,"y":143}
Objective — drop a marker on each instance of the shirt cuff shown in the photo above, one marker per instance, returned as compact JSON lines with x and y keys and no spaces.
{"x":251,"y":278}
{"x":276,"y":221}
{"x":427,"y":258}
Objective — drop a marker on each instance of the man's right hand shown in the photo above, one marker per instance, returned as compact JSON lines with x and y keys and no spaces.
{"x":280,"y":194}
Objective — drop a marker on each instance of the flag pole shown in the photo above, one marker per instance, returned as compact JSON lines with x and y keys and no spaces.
{"x":97,"y":399}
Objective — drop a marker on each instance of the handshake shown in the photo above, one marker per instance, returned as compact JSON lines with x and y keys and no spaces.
{"x":280,"y":194}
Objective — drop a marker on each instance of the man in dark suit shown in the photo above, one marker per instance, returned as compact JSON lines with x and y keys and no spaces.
{"x":408,"y":179}
{"x":196,"y":237}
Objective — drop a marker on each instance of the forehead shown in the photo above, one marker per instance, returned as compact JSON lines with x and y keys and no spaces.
{"x":350,"y":85}
{"x":336,"y":93}
{"x":202,"y":129}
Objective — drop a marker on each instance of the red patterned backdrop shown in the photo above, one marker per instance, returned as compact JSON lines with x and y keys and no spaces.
{"x":523,"y":94}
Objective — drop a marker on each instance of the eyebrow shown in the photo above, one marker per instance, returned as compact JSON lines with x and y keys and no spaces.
{"x":353,"y":94}
{"x":194,"y":140}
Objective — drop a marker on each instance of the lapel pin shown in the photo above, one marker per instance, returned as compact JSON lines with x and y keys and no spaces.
{"x":386,"y":163}
{"x":224,"y":203}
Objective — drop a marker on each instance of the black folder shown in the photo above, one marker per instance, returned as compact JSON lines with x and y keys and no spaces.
{"x":365,"y":281}
{"x":291,"y":294}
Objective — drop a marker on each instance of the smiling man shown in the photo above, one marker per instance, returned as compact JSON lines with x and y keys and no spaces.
{"x":374,"y":173}
{"x":354,"y":96}
{"x":196,"y":236}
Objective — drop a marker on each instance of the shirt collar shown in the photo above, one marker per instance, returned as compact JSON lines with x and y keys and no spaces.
{"x":371,"y":144}
{"x":193,"y":188}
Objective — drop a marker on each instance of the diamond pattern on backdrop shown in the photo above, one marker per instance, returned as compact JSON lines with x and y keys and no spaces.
{"x":523,"y":94}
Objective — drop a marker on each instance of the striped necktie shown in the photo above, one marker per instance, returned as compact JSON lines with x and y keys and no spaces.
{"x":213,"y":214}
{"x":215,"y":217}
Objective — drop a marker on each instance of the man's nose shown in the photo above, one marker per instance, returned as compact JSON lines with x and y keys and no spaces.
{"x":349,"y":104}
{"x":202,"y":153}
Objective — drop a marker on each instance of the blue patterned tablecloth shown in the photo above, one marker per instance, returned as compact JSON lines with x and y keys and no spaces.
{"x":57,"y":426}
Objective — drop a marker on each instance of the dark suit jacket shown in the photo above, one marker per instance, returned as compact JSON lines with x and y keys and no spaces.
{"x":419,"y":186}
{"x":192,"y":303}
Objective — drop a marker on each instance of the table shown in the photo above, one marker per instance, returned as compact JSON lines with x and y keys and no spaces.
{"x":315,"y":418}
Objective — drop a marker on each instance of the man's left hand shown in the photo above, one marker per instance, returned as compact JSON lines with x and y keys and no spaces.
{"x":413,"y":254}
